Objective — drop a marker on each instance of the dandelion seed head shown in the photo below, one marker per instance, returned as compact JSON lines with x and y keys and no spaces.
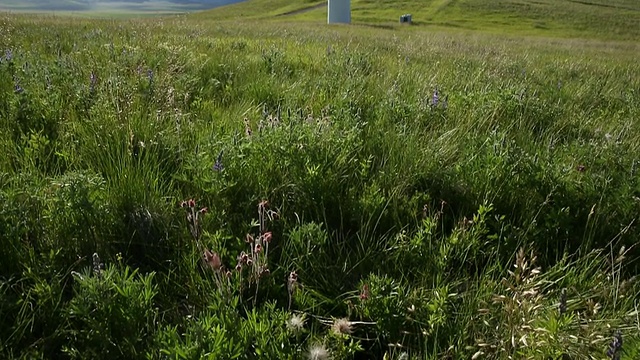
{"x":318,"y":352}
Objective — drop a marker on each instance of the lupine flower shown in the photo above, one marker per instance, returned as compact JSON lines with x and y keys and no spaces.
{"x":434,"y":99}
{"x":150,"y":75}
{"x":218,"y":165}
{"x":615,"y":348}
{"x":563,"y":302}
{"x":97,"y":265}
{"x":8,"y":55}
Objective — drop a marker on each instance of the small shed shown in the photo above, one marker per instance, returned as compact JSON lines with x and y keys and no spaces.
{"x":405,"y":19}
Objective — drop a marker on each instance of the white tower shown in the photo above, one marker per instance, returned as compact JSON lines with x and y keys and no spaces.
{"x":339,"y":11}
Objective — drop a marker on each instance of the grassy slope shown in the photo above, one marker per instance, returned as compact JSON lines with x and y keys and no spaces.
{"x":545,"y":129}
{"x":612,"y":20}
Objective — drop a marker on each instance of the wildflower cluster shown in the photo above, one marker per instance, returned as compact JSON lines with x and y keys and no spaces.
{"x":98,"y":266}
{"x":221,"y":276}
{"x":269,"y":120}
{"x":194,"y":220}
{"x":211,"y":259}
{"x":255,"y":261}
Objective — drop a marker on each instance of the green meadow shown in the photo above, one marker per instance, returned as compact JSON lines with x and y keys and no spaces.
{"x":250,"y":183}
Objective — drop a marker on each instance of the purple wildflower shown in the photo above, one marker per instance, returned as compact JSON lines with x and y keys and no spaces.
{"x":434,"y":100}
{"x":218,"y":165}
{"x":150,"y":75}
{"x":8,"y":55}
{"x":615,"y":348}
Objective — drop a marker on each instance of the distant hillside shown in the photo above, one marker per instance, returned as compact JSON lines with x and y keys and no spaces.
{"x":93,"y":5}
{"x":608,"y":19}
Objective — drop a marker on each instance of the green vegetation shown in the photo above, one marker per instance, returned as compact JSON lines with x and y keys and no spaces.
{"x":601,"y":19}
{"x":187,"y":188}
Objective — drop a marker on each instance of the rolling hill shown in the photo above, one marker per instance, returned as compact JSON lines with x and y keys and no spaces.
{"x":611,"y":20}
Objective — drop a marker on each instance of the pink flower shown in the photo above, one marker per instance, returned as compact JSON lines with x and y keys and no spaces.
{"x":364,"y":294}
{"x":212,"y":259}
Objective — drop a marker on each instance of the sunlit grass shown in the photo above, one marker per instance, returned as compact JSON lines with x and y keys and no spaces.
{"x":420,"y":190}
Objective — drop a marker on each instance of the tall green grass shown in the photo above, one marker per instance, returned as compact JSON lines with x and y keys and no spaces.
{"x":496,"y":219}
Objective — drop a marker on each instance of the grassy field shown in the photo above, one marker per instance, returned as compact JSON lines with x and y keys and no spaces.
{"x":267,"y":186}
{"x":599,"y":19}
